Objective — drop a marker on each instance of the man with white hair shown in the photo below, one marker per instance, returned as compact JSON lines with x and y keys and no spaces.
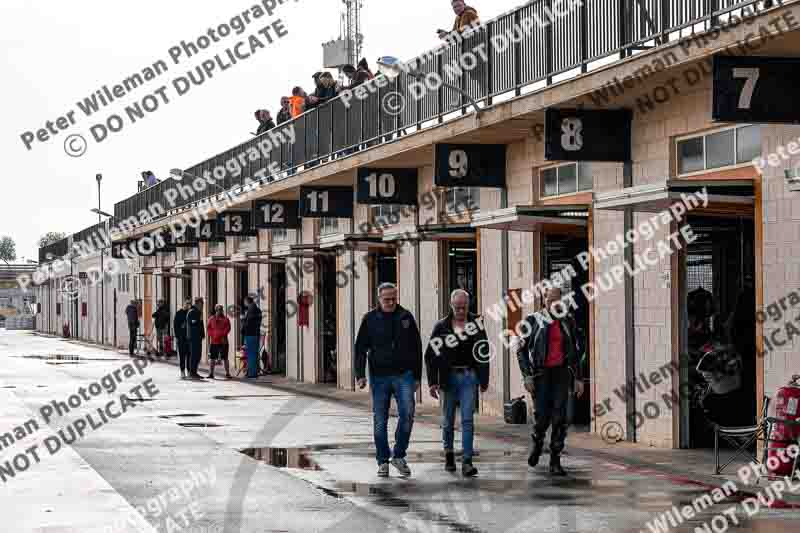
{"x":548,"y":360}
{"x":457,"y":359}
{"x":389,"y":339}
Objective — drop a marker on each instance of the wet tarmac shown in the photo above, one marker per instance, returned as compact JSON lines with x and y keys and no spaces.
{"x":285,"y":462}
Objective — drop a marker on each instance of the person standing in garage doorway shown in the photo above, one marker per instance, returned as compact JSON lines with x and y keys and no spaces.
{"x":251,"y":331}
{"x":196,"y":333}
{"x":181,"y":336}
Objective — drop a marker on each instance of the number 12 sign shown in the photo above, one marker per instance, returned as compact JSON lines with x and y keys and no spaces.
{"x":470,"y":165}
{"x":756,"y":89}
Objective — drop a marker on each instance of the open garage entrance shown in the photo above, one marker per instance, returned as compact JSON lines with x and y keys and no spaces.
{"x":717,"y":328}
{"x":277,"y":340}
{"x":327,"y":318}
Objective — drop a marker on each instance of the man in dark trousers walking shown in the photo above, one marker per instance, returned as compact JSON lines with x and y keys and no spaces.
{"x":548,"y":359}
{"x":132,"y":315}
{"x":389,"y":339}
{"x":195,"y":328}
{"x":181,"y":335}
{"x":251,"y":331}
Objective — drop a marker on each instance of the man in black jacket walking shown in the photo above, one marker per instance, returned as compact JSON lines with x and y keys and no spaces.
{"x":457,"y":359}
{"x":181,"y":335}
{"x":548,"y":360}
{"x":132,"y":315}
{"x":389,"y":339}
{"x":195,"y":330}
{"x":251,"y":331}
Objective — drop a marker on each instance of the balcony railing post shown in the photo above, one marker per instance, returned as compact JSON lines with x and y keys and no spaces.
{"x":623,"y":34}
{"x":584,"y":15}
{"x":714,"y":7}
{"x":440,"y":90}
{"x":548,"y":45}
{"x":517,"y":56}
{"x":487,"y":67}
{"x":665,"y":21}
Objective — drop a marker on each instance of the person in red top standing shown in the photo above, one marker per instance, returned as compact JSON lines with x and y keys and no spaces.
{"x":218,"y":328}
{"x":548,"y":359}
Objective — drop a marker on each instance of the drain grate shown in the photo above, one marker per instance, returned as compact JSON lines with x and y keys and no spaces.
{"x":199,"y":424}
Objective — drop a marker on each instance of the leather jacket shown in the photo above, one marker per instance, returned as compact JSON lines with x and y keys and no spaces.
{"x":532,"y":350}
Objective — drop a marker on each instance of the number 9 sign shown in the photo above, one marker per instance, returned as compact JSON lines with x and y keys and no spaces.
{"x":470,"y":165}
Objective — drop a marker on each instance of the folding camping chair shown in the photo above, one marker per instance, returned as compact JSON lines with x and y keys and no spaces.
{"x":742,"y":438}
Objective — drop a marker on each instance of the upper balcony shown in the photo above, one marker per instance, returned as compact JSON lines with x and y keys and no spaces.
{"x":520,"y":52}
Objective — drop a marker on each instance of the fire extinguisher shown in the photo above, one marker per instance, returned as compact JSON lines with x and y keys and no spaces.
{"x":787,"y":407}
{"x":305,"y":304}
{"x":65,"y":330}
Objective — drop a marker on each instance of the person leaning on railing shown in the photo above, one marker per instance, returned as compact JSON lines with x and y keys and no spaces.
{"x":465,"y":17}
{"x":285,"y":114}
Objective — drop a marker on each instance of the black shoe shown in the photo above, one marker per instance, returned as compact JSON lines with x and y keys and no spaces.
{"x":467,"y":470}
{"x":555,"y":466}
{"x":450,"y":461}
{"x":536,"y":452}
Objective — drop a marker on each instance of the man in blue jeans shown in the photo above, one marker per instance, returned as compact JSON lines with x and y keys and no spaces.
{"x":457,"y":359}
{"x":389,"y":339}
{"x":251,"y":331}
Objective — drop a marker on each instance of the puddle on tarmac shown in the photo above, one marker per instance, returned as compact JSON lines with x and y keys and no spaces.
{"x":9,"y":387}
{"x":66,"y":359}
{"x":199,"y":424}
{"x":284,"y":457}
{"x":243,"y":396}
{"x":187,"y":415}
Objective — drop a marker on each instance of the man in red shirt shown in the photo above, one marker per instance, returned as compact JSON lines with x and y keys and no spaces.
{"x":548,"y":359}
{"x":218,"y":328}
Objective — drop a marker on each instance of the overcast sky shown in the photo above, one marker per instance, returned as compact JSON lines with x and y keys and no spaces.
{"x":55,"y":54}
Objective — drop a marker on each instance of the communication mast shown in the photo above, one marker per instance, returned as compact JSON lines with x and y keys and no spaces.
{"x":347,"y":49}
{"x":351,"y":29}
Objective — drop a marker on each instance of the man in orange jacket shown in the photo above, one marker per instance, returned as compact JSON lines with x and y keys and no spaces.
{"x":218,"y":328}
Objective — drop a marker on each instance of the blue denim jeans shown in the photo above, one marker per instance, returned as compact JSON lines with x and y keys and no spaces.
{"x":251,"y":345}
{"x":383,"y":388}
{"x":461,"y":388}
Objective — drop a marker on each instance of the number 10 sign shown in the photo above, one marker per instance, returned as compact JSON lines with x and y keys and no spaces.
{"x":470,"y":165}
{"x":587,"y":135}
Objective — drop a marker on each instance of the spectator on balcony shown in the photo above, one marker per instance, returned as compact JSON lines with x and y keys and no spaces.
{"x":265,"y":122}
{"x":466,"y":17}
{"x":285,"y":114}
{"x":297,"y":102}
{"x":149,"y":178}
{"x":327,"y":89}
{"x":358,"y":76}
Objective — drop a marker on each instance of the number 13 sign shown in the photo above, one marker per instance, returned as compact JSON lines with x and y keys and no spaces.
{"x":470,"y":165}
{"x":756,"y":89}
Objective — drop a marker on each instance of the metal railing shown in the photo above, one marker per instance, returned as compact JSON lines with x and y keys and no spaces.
{"x":54,"y":251}
{"x":592,"y":30}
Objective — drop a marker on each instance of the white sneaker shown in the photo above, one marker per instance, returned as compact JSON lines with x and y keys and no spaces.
{"x":401,"y":466}
{"x":383,"y":470}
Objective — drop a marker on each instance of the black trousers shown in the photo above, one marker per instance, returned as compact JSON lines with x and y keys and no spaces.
{"x":183,"y":352}
{"x":196,"y":353}
{"x":552,"y":388}
{"x":133,"y":330}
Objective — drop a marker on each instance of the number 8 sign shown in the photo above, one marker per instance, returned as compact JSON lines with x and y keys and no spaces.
{"x":587,"y":135}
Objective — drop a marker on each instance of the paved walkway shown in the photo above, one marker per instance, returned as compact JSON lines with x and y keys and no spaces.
{"x":687,"y":466}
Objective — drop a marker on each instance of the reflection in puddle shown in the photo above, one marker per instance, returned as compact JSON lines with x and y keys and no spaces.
{"x":284,"y":457}
{"x":199,"y":424}
{"x":185,"y":415}
{"x":243,"y":396}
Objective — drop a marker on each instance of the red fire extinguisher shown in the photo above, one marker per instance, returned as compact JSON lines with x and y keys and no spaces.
{"x":787,"y":407}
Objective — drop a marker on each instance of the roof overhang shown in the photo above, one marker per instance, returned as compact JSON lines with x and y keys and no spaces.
{"x":256,"y":258}
{"x":356,"y":241}
{"x":656,"y":197}
{"x":301,"y":250}
{"x":532,"y":218}
{"x":430,"y":232}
